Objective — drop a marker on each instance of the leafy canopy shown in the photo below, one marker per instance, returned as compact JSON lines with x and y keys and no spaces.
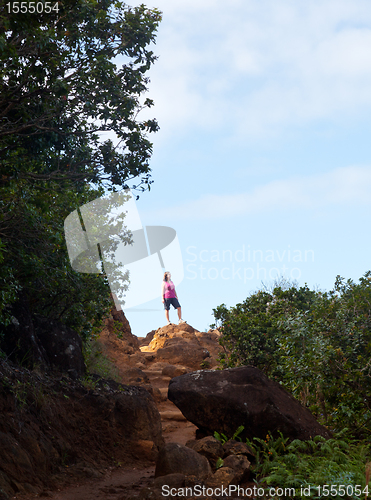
{"x":61,"y":89}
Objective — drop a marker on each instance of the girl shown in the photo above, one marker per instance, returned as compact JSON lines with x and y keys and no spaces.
{"x":169,"y":296}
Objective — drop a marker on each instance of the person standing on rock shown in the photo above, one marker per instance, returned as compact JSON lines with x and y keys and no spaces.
{"x":169,"y":297}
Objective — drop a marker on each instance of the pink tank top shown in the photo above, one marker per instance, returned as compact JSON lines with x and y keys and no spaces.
{"x":169,"y":290}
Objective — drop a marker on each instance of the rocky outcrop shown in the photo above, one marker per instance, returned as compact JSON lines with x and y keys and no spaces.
{"x":164,"y":335}
{"x":117,"y":330}
{"x":184,"y":345}
{"x":222,"y":400}
{"x":147,"y":339}
{"x":121,"y":347}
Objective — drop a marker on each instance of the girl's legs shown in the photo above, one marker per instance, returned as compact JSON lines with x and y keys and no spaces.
{"x":167,"y":316}
{"x":179,"y":313}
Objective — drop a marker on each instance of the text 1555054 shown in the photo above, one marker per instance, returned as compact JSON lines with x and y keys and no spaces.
{"x":32,"y":7}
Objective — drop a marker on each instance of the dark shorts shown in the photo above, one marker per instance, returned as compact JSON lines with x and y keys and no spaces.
{"x":173,"y":301}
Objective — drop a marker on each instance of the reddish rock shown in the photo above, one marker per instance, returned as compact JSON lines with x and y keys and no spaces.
{"x":134,"y":376}
{"x":174,"y":371}
{"x":163,"y":336}
{"x":117,"y":326}
{"x":233,"y":447}
{"x":147,"y":339}
{"x":209,"y":447}
{"x":222,"y":477}
{"x":239,"y":464}
{"x":183,"y":353}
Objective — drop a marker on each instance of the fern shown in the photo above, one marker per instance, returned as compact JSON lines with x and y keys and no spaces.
{"x":220,"y":437}
{"x":223,"y":438}
{"x":312,"y":463}
{"x":238,"y":431}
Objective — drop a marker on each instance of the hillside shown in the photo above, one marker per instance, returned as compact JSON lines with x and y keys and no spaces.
{"x":56,"y":431}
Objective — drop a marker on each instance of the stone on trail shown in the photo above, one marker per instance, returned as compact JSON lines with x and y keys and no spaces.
{"x":175,"y":458}
{"x":209,"y":447}
{"x":222,"y":400}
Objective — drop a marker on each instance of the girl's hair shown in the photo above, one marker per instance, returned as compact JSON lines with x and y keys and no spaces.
{"x":165,"y":276}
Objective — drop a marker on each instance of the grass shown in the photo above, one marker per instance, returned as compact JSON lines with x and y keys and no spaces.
{"x":97,"y":363}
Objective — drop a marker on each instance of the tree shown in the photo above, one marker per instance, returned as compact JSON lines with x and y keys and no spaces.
{"x":60,"y":86}
{"x":60,"y":89}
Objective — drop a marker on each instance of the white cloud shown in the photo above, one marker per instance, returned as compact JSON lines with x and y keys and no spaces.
{"x":347,"y":186}
{"x":260,"y":66}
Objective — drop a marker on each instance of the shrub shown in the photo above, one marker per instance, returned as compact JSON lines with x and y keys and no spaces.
{"x":316,"y":344}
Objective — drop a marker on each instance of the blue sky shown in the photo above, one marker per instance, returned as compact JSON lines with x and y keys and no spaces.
{"x":262,"y":162}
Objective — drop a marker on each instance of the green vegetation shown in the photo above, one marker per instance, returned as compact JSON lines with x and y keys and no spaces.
{"x":60,"y":90}
{"x":223,"y":438}
{"x":316,"y":468}
{"x":97,"y":363}
{"x":312,"y":464}
{"x":316,"y":344}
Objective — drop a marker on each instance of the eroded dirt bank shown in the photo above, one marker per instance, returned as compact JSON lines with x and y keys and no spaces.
{"x":65,"y":440}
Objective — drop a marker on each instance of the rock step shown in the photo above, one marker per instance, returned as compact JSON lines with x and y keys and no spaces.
{"x":153,"y":372}
{"x":164,"y":381}
{"x":172,"y":415}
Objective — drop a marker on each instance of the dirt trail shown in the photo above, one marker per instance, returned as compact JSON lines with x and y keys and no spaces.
{"x":117,"y":484}
{"x":125,"y":482}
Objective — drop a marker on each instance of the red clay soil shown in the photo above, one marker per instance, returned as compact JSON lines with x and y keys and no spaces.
{"x":126,"y":480}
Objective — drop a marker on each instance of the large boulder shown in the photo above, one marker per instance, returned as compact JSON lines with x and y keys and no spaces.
{"x":222,"y":400}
